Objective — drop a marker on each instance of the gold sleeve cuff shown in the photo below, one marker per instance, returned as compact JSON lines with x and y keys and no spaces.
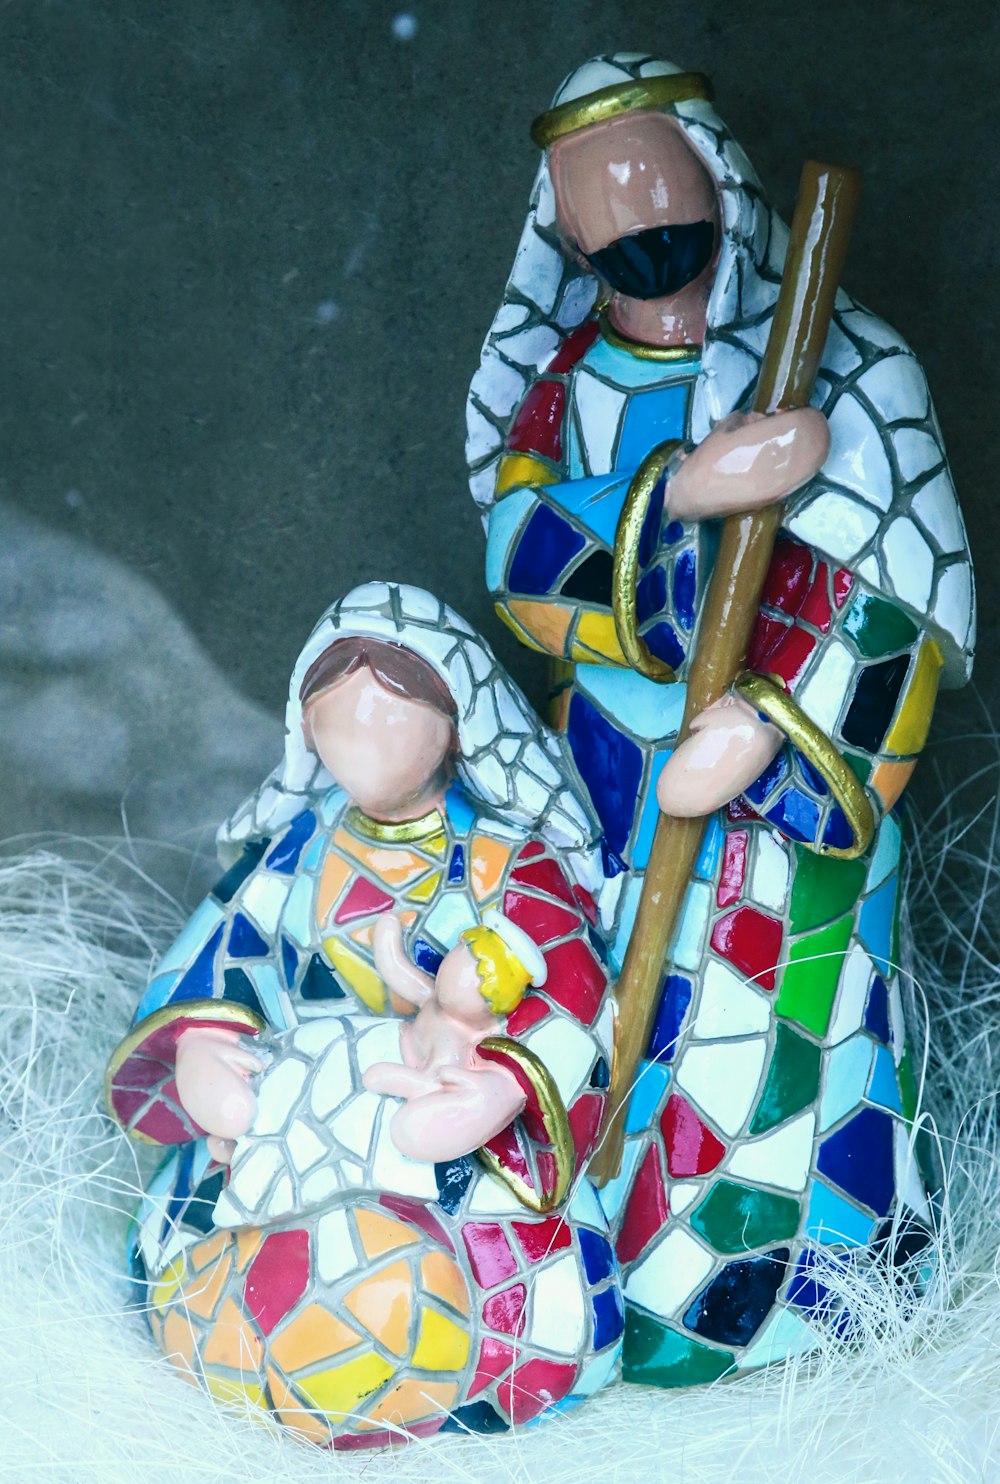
{"x":768,"y":695}
{"x":553,"y":1110}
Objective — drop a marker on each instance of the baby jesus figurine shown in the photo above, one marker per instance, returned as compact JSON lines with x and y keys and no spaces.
{"x":455,"y":1100}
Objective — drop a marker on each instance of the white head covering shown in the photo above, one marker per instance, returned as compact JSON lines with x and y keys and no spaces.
{"x":883,"y":503}
{"x":508,"y":761}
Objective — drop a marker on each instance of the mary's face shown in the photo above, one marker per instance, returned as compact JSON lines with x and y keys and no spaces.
{"x":387,"y":752}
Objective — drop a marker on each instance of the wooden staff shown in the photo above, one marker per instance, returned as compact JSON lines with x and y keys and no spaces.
{"x":821,"y":229}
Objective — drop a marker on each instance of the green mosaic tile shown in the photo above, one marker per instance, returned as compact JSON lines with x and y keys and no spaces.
{"x":823,"y":888}
{"x":878,"y":627}
{"x":654,"y":1355}
{"x":810,"y":978}
{"x":792,"y":1080}
{"x":737,"y":1218}
{"x":860,"y":765}
{"x":907,"y":1087}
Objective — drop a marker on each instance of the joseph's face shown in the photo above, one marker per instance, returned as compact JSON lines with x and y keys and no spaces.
{"x":626,"y":175}
{"x":383,"y":750}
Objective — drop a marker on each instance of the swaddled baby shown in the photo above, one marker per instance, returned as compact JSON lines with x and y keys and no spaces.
{"x":449,"y":1090}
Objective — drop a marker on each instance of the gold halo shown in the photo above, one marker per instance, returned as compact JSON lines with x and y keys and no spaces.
{"x":620,"y":97}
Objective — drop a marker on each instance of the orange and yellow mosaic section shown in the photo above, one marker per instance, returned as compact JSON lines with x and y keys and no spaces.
{"x":563,"y":630}
{"x":387,"y":1347}
{"x":908,"y":732}
{"x":517,"y":470}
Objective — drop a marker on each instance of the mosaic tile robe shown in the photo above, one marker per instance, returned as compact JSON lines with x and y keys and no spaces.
{"x":393,"y":1304}
{"x":770,"y":1127}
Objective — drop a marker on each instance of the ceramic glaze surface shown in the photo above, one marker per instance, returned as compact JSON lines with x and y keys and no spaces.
{"x":324,"y":1275}
{"x":771,"y":1125}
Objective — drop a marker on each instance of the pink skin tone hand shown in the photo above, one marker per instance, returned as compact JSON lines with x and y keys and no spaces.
{"x":455,"y":1101}
{"x":748,"y":460}
{"x":212,"y":1071}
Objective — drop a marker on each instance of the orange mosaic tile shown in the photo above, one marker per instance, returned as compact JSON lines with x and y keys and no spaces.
{"x":489,"y":860}
{"x":413,"y":1400}
{"x":443,"y":1277}
{"x":233,"y":1342}
{"x":203,"y":1292}
{"x":314,"y":1335}
{"x":889,"y":779}
{"x":383,"y":1304}
{"x":292,"y":1412}
{"x":336,"y":872}
{"x":179,"y":1340}
{"x":380,"y":1233}
{"x":393,"y":866}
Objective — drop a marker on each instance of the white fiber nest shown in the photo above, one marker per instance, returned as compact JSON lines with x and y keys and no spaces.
{"x":86,"y":1397}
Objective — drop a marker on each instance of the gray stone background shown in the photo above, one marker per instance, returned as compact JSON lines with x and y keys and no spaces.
{"x":250,"y":249}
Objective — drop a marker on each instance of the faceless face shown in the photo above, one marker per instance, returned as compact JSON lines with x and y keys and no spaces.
{"x":620,"y":187}
{"x":457,"y":987}
{"x":391,"y":755}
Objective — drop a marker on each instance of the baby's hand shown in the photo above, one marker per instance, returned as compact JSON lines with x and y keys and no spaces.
{"x":212,"y":1075}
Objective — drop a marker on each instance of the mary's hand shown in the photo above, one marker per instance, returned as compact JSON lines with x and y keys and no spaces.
{"x":212,"y":1074}
{"x":749,"y":459}
{"x":729,"y":746}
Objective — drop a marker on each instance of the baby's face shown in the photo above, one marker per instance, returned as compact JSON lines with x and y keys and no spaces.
{"x":456,"y":987}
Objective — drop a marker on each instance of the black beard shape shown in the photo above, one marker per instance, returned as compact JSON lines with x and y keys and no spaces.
{"x":656,"y":262}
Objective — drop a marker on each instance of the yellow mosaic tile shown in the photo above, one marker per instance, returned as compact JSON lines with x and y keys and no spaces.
{"x":291,"y":1411}
{"x":909,"y":731}
{"x":170,"y":1281}
{"x":596,"y":634}
{"x":443,"y":1345}
{"x":518,"y":469}
{"x":359,"y":975}
{"x":382,"y":1303}
{"x":341,"y":1391}
{"x":237,"y":1392}
{"x":424,"y":890}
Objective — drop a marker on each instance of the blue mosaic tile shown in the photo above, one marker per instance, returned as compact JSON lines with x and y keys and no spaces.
{"x":652,"y":1080}
{"x":238,"y":987}
{"x":858,"y":1158}
{"x":833,"y":1220}
{"x":664,"y":643}
{"x":875,"y":923}
{"x":877,"y":1010}
{"x":456,"y":866}
{"x":609,"y":1317}
{"x":598,"y":1259}
{"x":651,"y":418}
{"x":837,"y":832}
{"x":244,"y":940}
{"x":546,"y":546}
{"x":320,"y":982}
{"x":675,"y":998}
{"x":461,"y":815}
{"x":651,"y":594}
{"x":199,"y":981}
{"x":425,"y":957}
{"x":228,"y":885}
{"x":685,"y":587}
{"x":610,"y":765}
{"x":768,"y":781}
{"x":285,"y":855}
{"x":289,"y":961}
{"x":733,"y":1306}
{"x":453,"y":1181}
{"x":796,"y":814}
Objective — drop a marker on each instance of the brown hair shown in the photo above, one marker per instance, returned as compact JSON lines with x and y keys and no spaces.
{"x":397,"y":669}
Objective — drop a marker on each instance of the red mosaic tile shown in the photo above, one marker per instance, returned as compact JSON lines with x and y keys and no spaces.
{"x":692,"y":1148}
{"x":534,"y":1386}
{"x":790,"y":657}
{"x":544,"y":875}
{"x":495,"y":1357}
{"x":842,"y":583}
{"x":751,"y":942}
{"x":537,"y":428}
{"x":277,"y":1278}
{"x":165,"y":1126}
{"x":767,"y":635}
{"x":505,"y":1310}
{"x":816,"y":608}
{"x":646,"y":1211}
{"x":787,"y":577}
{"x":734,"y":864}
{"x":540,"y":919}
{"x":491,"y":1258}
{"x":575,"y":980}
{"x":417,"y":1214}
{"x":574,"y":348}
{"x":546,"y":1163}
{"x":363,"y":898}
{"x":507,"y":1149}
{"x":539,"y":1238}
{"x":585,"y":901}
{"x":529,"y":1012}
{"x":739,"y":809}
{"x":585,"y":1118}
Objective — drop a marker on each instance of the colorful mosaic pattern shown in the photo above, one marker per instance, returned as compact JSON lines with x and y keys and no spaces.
{"x":286,"y":936}
{"x":769,"y":1132}
{"x":382,"y":1318}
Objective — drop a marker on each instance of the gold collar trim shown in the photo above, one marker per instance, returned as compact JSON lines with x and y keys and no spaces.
{"x":646,"y":352}
{"x":607,"y":103}
{"x":400,"y":832}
